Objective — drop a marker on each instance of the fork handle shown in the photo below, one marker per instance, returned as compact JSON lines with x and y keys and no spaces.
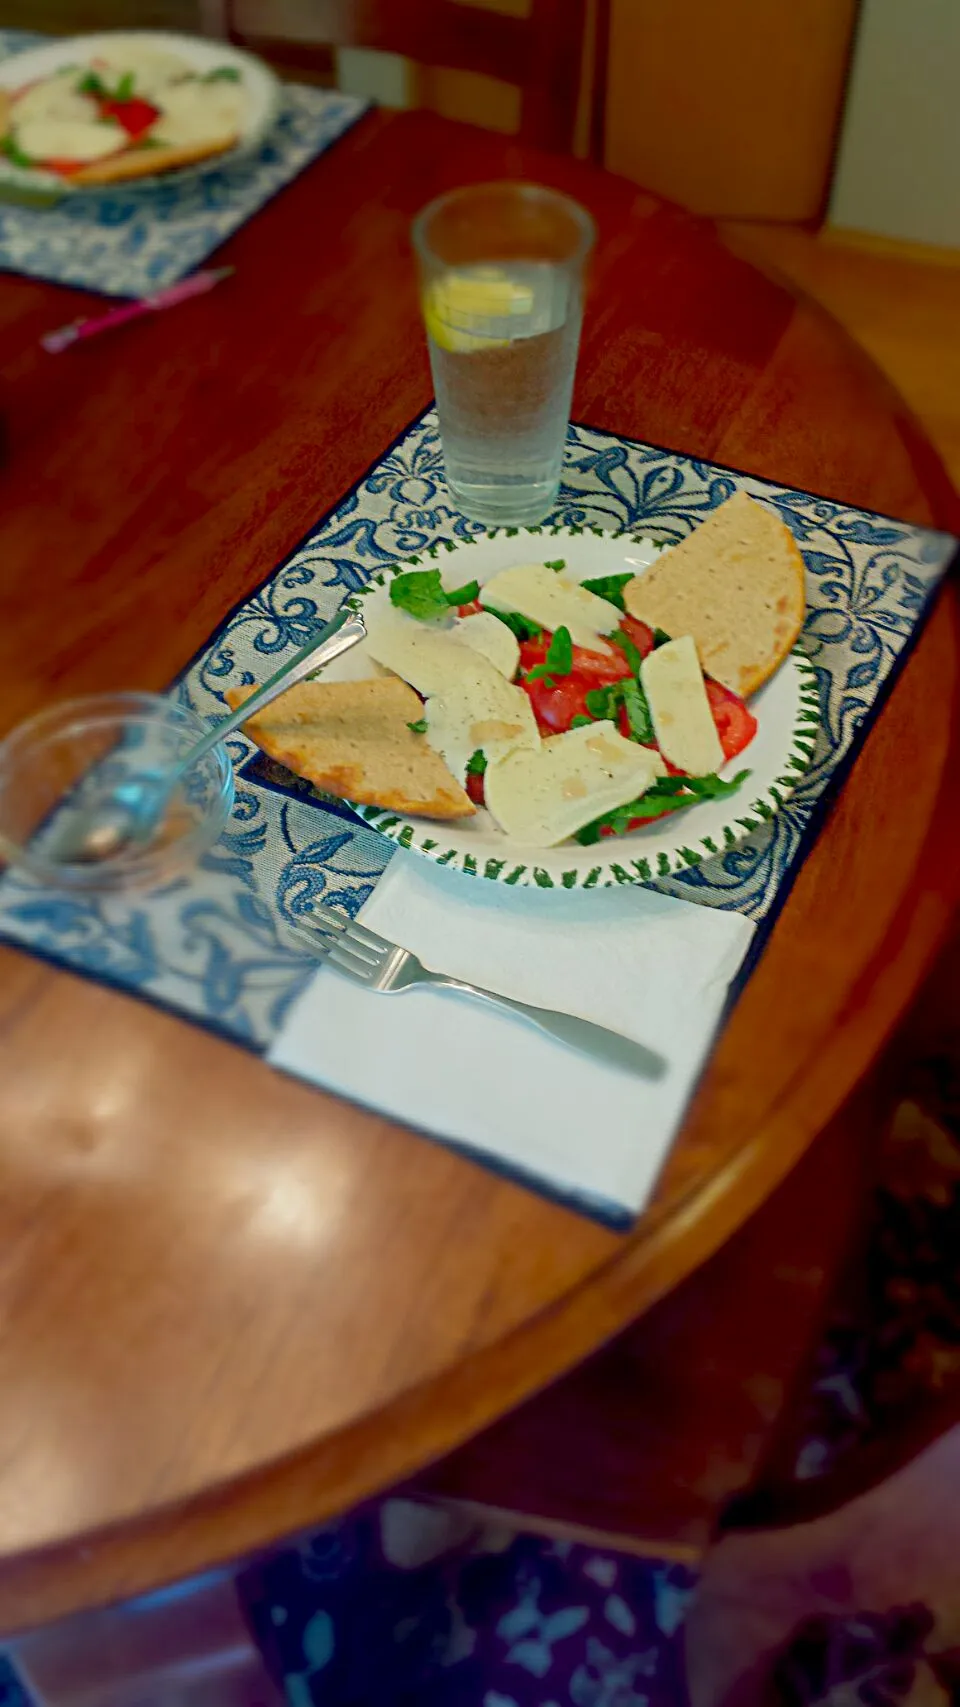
{"x":611,"y":1047}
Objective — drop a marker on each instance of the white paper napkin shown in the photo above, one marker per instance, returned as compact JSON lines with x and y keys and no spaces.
{"x":639,"y":962}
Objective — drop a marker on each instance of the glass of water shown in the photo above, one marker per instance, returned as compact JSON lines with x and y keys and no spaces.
{"x":502,"y":275}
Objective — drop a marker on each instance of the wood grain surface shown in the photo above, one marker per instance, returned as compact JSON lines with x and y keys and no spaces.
{"x":231,"y":1304}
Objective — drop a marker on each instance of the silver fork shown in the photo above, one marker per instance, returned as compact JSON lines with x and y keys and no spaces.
{"x":385,"y":967}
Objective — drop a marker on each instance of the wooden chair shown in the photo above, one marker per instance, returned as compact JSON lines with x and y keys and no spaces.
{"x":543,"y":53}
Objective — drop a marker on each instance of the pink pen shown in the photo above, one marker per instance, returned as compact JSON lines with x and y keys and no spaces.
{"x":195,"y":285}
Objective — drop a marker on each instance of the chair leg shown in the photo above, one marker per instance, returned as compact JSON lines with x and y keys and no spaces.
{"x":189,"y":1644}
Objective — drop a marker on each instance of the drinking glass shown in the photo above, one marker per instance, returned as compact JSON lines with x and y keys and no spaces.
{"x":502,"y":274}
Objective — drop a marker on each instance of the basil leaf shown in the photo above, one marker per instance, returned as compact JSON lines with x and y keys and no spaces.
{"x":222,"y":74}
{"x":125,"y":87}
{"x":660,"y":638}
{"x":91,"y":84}
{"x":580,"y":722}
{"x":420,"y":593}
{"x":464,"y":595}
{"x":638,"y":712}
{"x":557,"y":564}
{"x":418,"y":728}
{"x":609,"y":587}
{"x":558,"y":661}
{"x":519,"y":625}
{"x":477,"y":763}
{"x":15,"y":154}
{"x":604,"y":702}
{"x":627,"y":647}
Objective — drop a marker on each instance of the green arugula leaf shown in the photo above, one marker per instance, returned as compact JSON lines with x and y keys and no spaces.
{"x":638,"y":712}
{"x":557,"y":564}
{"x":464,"y":595}
{"x":609,"y":587}
{"x":667,"y":794}
{"x":713,"y":787}
{"x":418,"y":728}
{"x":477,"y":763}
{"x":519,"y":625}
{"x":558,"y":661}
{"x":660,"y":638}
{"x":222,"y":74}
{"x":15,"y":154}
{"x":125,"y":87}
{"x":627,"y":647}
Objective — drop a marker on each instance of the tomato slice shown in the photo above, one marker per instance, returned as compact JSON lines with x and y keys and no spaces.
{"x":638,"y":632}
{"x":64,"y":167}
{"x":136,"y":116}
{"x":533,"y":652}
{"x":472,"y":609}
{"x":555,"y":708}
{"x":600,"y":667}
{"x":475,"y":788}
{"x":736,"y":724}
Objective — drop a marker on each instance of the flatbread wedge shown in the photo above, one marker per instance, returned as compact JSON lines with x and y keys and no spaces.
{"x":148,"y":162}
{"x":736,"y":584}
{"x":352,"y":739}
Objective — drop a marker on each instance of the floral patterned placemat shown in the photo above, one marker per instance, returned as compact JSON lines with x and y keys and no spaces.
{"x":129,"y":244}
{"x":215,"y":946}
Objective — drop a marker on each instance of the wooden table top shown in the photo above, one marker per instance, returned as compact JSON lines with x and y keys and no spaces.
{"x":188,"y":1370}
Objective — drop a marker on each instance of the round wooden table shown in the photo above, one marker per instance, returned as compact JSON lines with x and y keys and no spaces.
{"x":232,"y":1305}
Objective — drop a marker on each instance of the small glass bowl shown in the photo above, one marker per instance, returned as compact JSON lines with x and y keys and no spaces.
{"x":72,"y":755}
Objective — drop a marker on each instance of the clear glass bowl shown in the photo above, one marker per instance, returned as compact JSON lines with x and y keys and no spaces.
{"x":72,"y":755}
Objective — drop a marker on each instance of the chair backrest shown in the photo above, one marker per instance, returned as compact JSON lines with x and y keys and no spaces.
{"x":541,"y":53}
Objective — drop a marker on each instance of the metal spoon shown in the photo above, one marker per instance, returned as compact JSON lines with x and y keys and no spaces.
{"x":128,"y":816}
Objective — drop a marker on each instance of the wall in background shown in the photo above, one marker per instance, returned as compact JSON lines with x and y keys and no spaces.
{"x":730,"y":109}
{"x":62,"y":17}
{"x":898,"y":172}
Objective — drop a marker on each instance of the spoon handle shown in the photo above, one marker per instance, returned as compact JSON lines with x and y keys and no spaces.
{"x":336,"y":638}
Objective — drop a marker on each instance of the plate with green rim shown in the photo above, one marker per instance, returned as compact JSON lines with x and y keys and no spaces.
{"x":786,"y":708}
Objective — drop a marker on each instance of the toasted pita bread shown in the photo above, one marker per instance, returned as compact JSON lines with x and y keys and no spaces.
{"x":352,"y":739}
{"x":736,"y":584}
{"x":146,"y":162}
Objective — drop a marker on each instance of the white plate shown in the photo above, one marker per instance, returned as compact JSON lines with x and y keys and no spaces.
{"x":261,"y":86}
{"x":785,"y":708}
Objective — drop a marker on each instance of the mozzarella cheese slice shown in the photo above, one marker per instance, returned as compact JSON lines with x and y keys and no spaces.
{"x":484,"y":712}
{"x":422,"y":653}
{"x":682,"y":720}
{"x":470,"y":703}
{"x":548,"y":598}
{"x":539,"y":798}
{"x":486,"y":634}
{"x":69,"y":139}
{"x":55,"y":97}
{"x":195,"y":113}
{"x":154,"y":69}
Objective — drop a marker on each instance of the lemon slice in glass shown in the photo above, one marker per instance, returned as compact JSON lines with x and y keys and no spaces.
{"x":466,"y":311}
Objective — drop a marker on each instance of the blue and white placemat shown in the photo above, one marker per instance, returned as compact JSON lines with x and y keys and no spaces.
{"x":215,"y":946}
{"x":131,"y":243}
